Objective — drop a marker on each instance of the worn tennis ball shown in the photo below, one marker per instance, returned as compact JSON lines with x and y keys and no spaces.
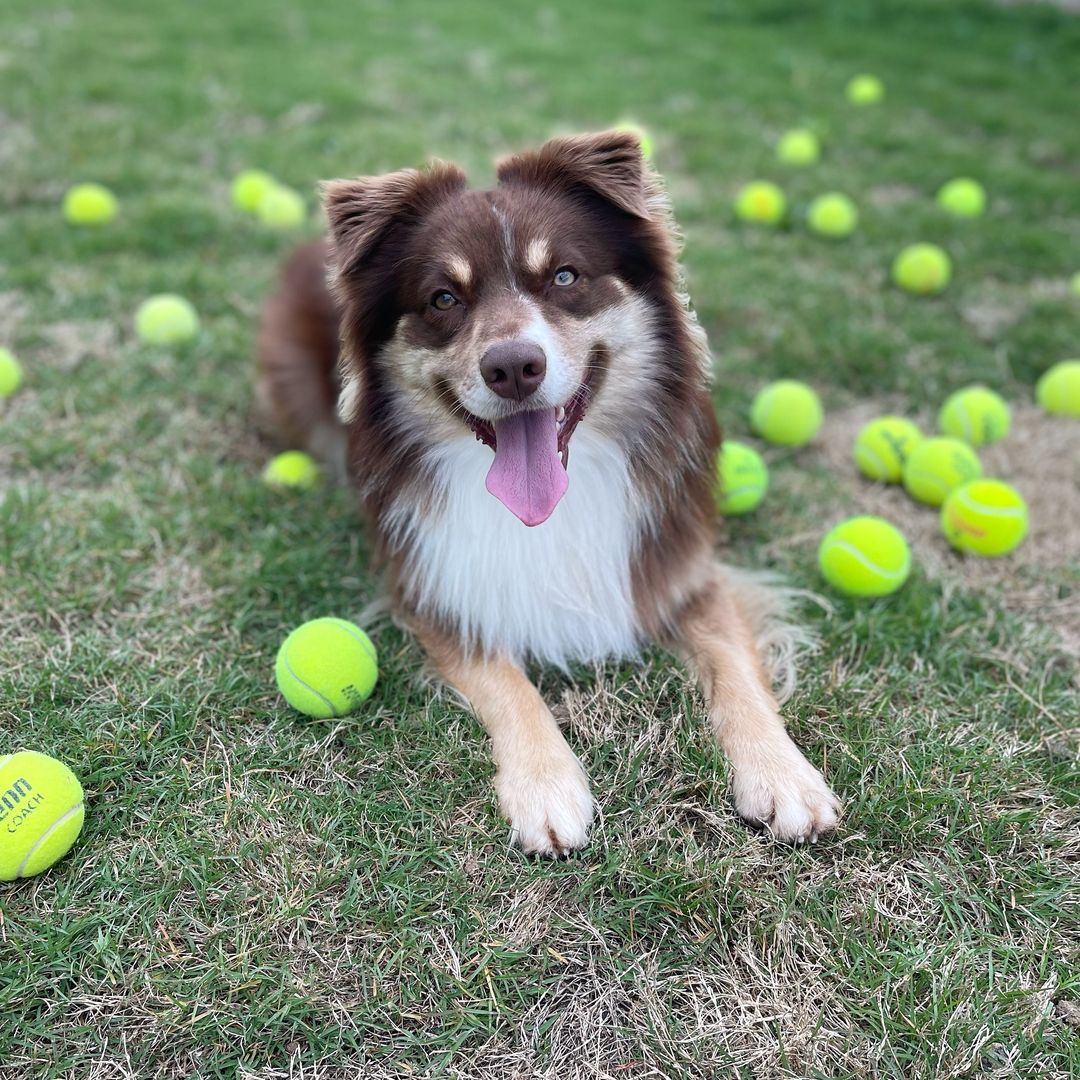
{"x":643,"y":136}
{"x":882,"y":447}
{"x":923,"y":269}
{"x":938,"y":465}
{"x":761,"y":201}
{"x":292,"y":469}
{"x":975,"y":414}
{"x":833,"y":214}
{"x":865,"y":556}
{"x":326,"y":667}
{"x":166,"y":319}
{"x":865,"y":90}
{"x":786,"y":412}
{"x":742,"y":478}
{"x":963,"y":197}
{"x":249,"y":187}
{"x":1058,"y":389}
{"x":89,"y":204}
{"x":798,"y":147}
{"x":41,"y":813}
{"x":10,"y":373}
{"x":281,"y":208}
{"x":985,"y":517}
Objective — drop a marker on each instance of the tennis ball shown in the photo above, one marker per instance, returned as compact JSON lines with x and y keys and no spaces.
{"x":249,"y":187}
{"x":642,"y":134}
{"x":761,"y":201}
{"x":326,"y":667}
{"x":166,"y":319}
{"x":798,"y":147}
{"x":89,"y":204}
{"x":41,"y":813}
{"x":923,"y":269}
{"x":1057,"y":391}
{"x":976,"y":415}
{"x":936,"y":466}
{"x":786,"y":412}
{"x":984,"y":517}
{"x":10,"y":373}
{"x":292,"y":469}
{"x":1074,"y":283}
{"x":865,"y":556}
{"x":865,"y":90}
{"x":833,"y":214}
{"x":281,"y":208}
{"x":741,"y":478}
{"x":963,"y":197}
{"x":883,"y":446}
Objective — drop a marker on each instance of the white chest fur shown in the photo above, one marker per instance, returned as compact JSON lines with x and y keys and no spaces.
{"x":557,"y":592}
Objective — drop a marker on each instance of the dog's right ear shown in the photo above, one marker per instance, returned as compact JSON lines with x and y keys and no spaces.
{"x":362,"y":212}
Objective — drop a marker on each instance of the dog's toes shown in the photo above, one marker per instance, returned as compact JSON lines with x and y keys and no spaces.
{"x":549,"y":810}
{"x":790,"y":798}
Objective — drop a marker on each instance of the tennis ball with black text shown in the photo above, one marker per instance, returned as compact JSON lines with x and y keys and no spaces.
{"x":326,"y":668}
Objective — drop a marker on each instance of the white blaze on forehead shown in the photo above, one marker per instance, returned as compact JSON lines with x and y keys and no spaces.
{"x":459,"y":269}
{"x":537,"y":255}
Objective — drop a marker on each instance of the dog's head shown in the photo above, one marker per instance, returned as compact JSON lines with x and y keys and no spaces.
{"x":518,"y":312}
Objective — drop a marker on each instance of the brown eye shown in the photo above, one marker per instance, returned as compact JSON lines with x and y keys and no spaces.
{"x":443,"y":300}
{"x":565,"y":275}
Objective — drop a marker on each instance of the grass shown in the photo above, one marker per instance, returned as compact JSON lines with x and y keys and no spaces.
{"x":256,"y":895}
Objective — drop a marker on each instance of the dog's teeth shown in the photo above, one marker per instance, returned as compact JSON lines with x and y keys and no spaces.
{"x":560,"y":414}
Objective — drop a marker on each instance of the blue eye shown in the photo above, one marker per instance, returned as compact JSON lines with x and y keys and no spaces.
{"x":443,"y":300}
{"x":565,"y":275}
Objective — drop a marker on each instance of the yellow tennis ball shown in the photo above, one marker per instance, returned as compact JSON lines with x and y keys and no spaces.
{"x":89,"y":204}
{"x":761,"y":201}
{"x":798,"y":147}
{"x":643,"y":136}
{"x":833,"y":214}
{"x":865,"y":90}
{"x":865,"y":556}
{"x":786,"y":412}
{"x":281,"y":208}
{"x":741,"y":478}
{"x":923,"y":269}
{"x":41,"y":813}
{"x":166,"y":319}
{"x":882,"y":447}
{"x":1057,"y":391}
{"x":10,"y":373}
{"x":292,"y":469}
{"x":249,"y":187}
{"x":985,"y":517}
{"x":326,"y":667}
{"x":936,"y":466}
{"x":975,"y":414}
{"x":963,"y":197}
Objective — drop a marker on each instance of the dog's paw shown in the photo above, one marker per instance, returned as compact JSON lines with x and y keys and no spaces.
{"x":549,"y":805}
{"x":785,"y":793}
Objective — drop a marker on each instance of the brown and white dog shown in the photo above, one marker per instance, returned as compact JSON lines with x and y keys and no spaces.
{"x":522,"y":401}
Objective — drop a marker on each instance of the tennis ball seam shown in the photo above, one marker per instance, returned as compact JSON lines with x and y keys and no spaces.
{"x":867,"y":563}
{"x":45,"y":835}
{"x":990,"y":511}
{"x":307,"y":686}
{"x":877,"y":462}
{"x":359,"y":637}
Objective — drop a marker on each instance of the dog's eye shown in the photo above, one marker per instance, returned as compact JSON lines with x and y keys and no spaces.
{"x":565,"y":275}
{"x":443,"y":300}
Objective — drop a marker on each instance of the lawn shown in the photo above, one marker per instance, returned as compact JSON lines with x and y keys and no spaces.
{"x":257,"y":895}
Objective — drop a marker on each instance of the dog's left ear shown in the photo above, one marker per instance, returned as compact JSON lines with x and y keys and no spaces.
{"x":610,"y":164}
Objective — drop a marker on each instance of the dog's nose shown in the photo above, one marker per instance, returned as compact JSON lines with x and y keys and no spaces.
{"x":514,"y":369}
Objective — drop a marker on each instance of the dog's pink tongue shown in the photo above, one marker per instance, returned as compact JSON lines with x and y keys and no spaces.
{"x":527,"y":475}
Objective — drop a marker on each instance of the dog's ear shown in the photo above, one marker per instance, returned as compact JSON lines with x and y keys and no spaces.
{"x":609,"y":163}
{"x":362,"y":212}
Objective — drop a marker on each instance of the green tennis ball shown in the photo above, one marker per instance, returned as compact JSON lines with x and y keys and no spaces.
{"x":936,"y":466}
{"x":865,"y":556}
{"x":41,"y":813}
{"x":1074,"y":283}
{"x":1057,"y":391}
{"x":166,"y":319}
{"x":882,"y":447}
{"x":643,"y":136}
{"x":292,"y":469}
{"x":833,"y":214}
{"x":985,"y":517}
{"x":923,"y":269}
{"x":326,"y":667}
{"x":281,"y":208}
{"x":249,"y":187}
{"x":89,"y":204}
{"x":865,"y":90}
{"x":762,"y":202}
{"x":798,"y":147}
{"x":741,"y":478}
{"x":10,"y":373}
{"x":787,"y":413}
{"x":976,"y":415}
{"x":963,"y":197}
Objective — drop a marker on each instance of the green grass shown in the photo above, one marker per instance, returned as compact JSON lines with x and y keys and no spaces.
{"x":257,"y":895}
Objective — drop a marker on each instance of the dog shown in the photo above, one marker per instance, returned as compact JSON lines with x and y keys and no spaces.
{"x":517,"y":385}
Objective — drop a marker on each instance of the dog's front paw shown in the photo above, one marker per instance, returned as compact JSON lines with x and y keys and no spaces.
{"x":785,"y":793}
{"x":547,"y":802}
